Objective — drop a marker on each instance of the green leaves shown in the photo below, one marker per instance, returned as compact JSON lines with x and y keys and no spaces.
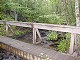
{"x":63,"y":45}
{"x":53,"y":11}
{"x":2,"y":30}
{"x":52,"y":36}
{"x":51,"y":18}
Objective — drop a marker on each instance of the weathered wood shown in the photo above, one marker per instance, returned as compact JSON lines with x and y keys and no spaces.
{"x":6,"y":29}
{"x":34,"y":50}
{"x":11,"y":29}
{"x":62,"y":28}
{"x":71,"y":50}
{"x":35,"y":32}
{"x":2,"y":22}
{"x":34,"y":35}
{"x":23,"y":24}
{"x":39,"y":34}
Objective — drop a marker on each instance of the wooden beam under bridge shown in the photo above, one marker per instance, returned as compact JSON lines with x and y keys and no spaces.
{"x":62,"y":28}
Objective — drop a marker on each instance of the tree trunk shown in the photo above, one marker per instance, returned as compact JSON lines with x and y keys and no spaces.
{"x":16,"y":15}
{"x":77,"y":12}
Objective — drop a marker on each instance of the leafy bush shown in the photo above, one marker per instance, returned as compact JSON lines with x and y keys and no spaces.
{"x":52,"y":36}
{"x":9,"y":18}
{"x":1,"y":16}
{"x":18,"y":32}
{"x":63,"y":45}
{"x":2,"y":30}
{"x":52,"y":19}
{"x":68,"y":36}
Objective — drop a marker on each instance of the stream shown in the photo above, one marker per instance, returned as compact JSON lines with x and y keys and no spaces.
{"x":5,"y":55}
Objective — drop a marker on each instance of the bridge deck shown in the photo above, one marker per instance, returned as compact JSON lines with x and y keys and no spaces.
{"x":36,"y":50}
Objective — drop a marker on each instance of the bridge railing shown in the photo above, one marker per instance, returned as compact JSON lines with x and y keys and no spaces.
{"x":62,"y":28}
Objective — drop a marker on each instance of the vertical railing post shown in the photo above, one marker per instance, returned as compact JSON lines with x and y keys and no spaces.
{"x":71,"y":50}
{"x":6,"y":29}
{"x":34,"y":35}
{"x":36,"y":32}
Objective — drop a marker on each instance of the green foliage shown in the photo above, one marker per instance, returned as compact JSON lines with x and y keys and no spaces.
{"x":2,"y":30}
{"x":68,"y":36}
{"x":1,"y":16}
{"x":44,"y":11}
{"x":17,"y":32}
{"x":52,"y":19}
{"x":63,"y":45}
{"x":52,"y":36}
{"x":8,"y":18}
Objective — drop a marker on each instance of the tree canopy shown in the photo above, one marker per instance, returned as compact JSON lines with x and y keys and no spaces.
{"x":45,"y":11}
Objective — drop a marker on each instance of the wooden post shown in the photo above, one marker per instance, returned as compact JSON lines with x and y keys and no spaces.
{"x":75,"y":42}
{"x":71,"y":50}
{"x":6,"y":29}
{"x":34,"y":35}
{"x":35,"y":32}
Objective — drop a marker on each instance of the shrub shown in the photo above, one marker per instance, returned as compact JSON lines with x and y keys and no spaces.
{"x":51,"y":19}
{"x":2,"y":30}
{"x":68,"y":36}
{"x":63,"y":45}
{"x":52,"y":36}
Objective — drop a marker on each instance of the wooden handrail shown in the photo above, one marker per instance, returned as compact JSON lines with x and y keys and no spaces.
{"x":62,"y":28}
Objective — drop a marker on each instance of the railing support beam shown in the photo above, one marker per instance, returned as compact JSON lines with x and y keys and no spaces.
{"x":71,"y":50}
{"x":34,"y":35}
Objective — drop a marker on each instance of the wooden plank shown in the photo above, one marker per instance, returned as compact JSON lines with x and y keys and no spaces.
{"x":39,"y":34}
{"x":23,"y":24}
{"x":11,"y":29}
{"x":6,"y":29}
{"x":2,"y":22}
{"x":35,"y":32}
{"x":71,"y":50}
{"x":34,"y":35}
{"x":30,"y":49}
{"x":62,"y":28}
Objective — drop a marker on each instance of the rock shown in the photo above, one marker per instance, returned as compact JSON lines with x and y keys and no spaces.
{"x":12,"y":58}
{"x":4,"y":55}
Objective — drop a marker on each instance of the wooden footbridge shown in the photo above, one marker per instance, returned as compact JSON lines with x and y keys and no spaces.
{"x":33,"y":52}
